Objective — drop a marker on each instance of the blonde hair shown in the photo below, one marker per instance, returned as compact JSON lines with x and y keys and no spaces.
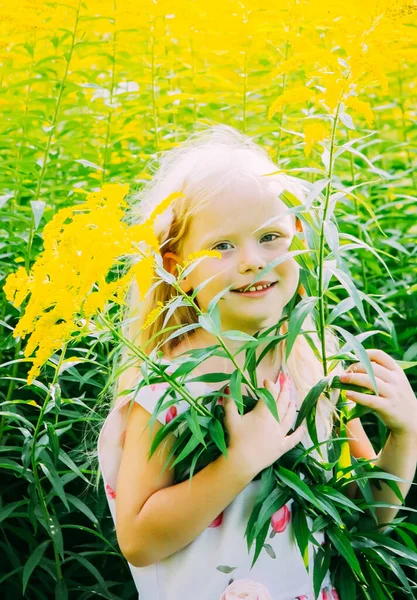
{"x":200,"y":168}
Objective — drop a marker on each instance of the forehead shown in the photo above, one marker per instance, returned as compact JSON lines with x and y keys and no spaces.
{"x":240,"y":209}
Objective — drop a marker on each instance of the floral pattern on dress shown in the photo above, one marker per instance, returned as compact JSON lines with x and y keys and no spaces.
{"x":110,"y":492}
{"x":281,"y":519}
{"x":171,"y":414}
{"x":255,"y":590}
{"x":218,"y":520}
{"x":246,"y":588}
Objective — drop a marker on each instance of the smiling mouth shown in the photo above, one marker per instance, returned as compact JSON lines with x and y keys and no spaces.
{"x":257,"y":292}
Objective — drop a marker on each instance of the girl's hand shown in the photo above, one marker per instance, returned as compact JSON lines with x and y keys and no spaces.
{"x":256,"y":438}
{"x":396,"y":404}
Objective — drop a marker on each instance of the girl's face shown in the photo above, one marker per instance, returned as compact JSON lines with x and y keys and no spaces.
{"x":228,"y":224}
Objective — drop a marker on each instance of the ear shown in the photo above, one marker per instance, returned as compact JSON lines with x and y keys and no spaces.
{"x":170,"y":262}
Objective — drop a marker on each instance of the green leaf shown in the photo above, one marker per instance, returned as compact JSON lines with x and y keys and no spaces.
{"x":346,"y":120}
{"x":90,"y":567}
{"x":301,"y":255}
{"x":210,"y":378}
{"x":213,"y":302}
{"x":346,"y":583}
{"x":343,"y":545}
{"x":320,"y":568}
{"x":83,"y":508}
{"x":337,"y":497}
{"x":32,"y":562}
{"x":294,"y":482}
{"x":271,"y":402}
{"x":207,"y":323}
{"x":38,"y":207}
{"x":387,"y":559}
{"x":329,"y":508}
{"x":349,"y":286}
{"x":308,"y":408}
{"x":225,"y":569}
{"x":374,"y":580}
{"x":297,"y":318}
{"x":217,"y":435}
{"x":192,"y":420}
{"x":238,"y":336}
{"x":8,"y":509}
{"x":189,"y":447}
{"x":260,"y":540}
{"x":301,"y":531}
{"x":56,"y":482}
{"x":385,"y":541}
{"x":235,"y":385}
{"x":359,"y":350}
{"x":276,"y":500}
{"x":54,"y":529}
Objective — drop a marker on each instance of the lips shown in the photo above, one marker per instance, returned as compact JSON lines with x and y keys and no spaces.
{"x":246,"y":287}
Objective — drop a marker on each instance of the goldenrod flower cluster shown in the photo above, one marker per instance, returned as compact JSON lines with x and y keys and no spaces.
{"x":67,"y":284}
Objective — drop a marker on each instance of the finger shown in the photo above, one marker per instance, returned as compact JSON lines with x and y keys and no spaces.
{"x":230,"y":409}
{"x":382,"y":358}
{"x":294,"y":438}
{"x":379,"y":371}
{"x":364,"y":380}
{"x":284,"y":398}
{"x":276,"y":391}
{"x":287,"y":421}
{"x":372,"y":402}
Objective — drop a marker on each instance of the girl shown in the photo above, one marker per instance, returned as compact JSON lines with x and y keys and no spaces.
{"x":187,"y":542}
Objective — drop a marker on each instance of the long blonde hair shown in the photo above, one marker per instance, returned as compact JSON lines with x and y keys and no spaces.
{"x":200,"y":168}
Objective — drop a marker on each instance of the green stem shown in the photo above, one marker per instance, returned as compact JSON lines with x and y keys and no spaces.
{"x":23,"y":139}
{"x":321,"y":250}
{"x":38,"y":485}
{"x":281,"y":114}
{"x":404,"y":125}
{"x":137,"y":351}
{"x":191,"y":302}
{"x":360,"y":232}
{"x":245,"y":77}
{"x":154,"y":107}
{"x":54,"y":121}
{"x":109,"y":118}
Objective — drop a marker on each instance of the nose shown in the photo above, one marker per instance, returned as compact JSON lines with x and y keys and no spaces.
{"x":251,"y":258}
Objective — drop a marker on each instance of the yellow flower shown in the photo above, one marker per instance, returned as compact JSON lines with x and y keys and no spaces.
{"x":17,"y":286}
{"x":153,"y":315}
{"x":67,"y":283}
{"x":143,"y":272}
{"x":162,"y":206}
{"x":313,"y":133}
{"x":297,"y":95}
{"x":361,"y":108}
{"x":195,"y":255}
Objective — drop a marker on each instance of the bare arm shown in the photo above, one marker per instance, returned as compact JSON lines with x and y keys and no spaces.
{"x":399,"y":457}
{"x":156,"y":517}
{"x":175,"y":516}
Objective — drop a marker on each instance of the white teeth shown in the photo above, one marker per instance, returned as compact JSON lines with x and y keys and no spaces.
{"x":256,"y":288}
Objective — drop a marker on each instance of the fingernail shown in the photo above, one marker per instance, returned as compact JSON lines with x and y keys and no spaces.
{"x":281,"y":379}
{"x":220,"y":401}
{"x":227,"y":390}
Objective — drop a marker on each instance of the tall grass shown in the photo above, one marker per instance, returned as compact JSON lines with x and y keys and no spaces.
{"x":94,"y":92}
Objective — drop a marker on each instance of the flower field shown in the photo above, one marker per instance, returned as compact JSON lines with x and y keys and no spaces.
{"x":92,"y":94}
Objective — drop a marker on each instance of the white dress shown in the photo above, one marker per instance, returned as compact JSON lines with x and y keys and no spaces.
{"x":216,"y":565}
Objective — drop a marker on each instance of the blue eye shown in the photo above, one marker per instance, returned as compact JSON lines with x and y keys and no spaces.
{"x":266,"y":235}
{"x":221,"y":244}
